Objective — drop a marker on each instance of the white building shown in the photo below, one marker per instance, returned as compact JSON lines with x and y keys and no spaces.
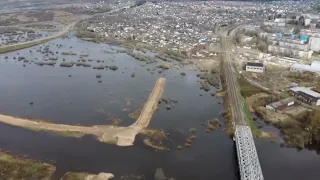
{"x":292,"y":51}
{"x":271,"y":23}
{"x":288,"y":60}
{"x":315,"y":43}
{"x":255,"y":67}
{"x":307,"y":21}
{"x":313,"y":68}
{"x":314,"y":38}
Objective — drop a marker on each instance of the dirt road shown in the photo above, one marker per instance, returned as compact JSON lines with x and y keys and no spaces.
{"x":38,"y":125}
{"x":151,"y":106}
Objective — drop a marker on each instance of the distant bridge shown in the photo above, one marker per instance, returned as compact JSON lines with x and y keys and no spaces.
{"x":248,"y":161}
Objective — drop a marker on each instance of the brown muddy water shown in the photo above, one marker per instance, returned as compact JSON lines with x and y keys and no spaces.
{"x":81,"y":99}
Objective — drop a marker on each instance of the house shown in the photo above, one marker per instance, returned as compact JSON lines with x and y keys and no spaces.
{"x":255,"y":67}
{"x":280,"y":105}
{"x":306,"y":95}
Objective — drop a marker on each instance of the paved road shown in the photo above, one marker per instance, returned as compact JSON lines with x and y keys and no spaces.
{"x":233,"y":89}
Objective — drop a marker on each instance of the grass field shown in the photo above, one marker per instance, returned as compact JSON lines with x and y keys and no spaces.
{"x":15,"y":168}
{"x":247,"y":89}
{"x":255,"y":131}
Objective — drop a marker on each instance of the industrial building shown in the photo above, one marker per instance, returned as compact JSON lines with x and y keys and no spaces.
{"x":306,"y":94}
{"x":255,"y":67}
{"x":288,"y":60}
{"x":313,"y":68}
{"x":281,"y":105}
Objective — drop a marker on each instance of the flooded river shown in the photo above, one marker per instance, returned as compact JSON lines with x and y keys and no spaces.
{"x":74,"y":96}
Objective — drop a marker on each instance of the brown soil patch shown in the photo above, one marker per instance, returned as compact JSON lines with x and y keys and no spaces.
{"x":260,"y":99}
{"x":135,"y":115}
{"x":273,"y":116}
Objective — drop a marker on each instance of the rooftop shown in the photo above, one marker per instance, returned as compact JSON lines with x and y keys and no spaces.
{"x":283,"y":102}
{"x":306,"y":90}
{"x":304,"y":67}
{"x":255,"y":64}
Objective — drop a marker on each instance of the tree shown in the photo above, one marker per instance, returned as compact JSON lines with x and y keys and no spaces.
{"x":297,"y":30}
{"x":262,"y":46}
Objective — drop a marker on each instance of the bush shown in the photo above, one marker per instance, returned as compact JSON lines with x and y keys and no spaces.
{"x":53,"y":59}
{"x":163,"y":66}
{"x":83,"y":64}
{"x":114,"y":68}
{"x":262,"y":46}
{"x":182,"y":73}
{"x":193,"y":137}
{"x":66,"y":64}
{"x":69,"y":53}
{"x":45,"y":63}
{"x":193,"y":130}
{"x":98,"y":67}
{"x":162,"y":57}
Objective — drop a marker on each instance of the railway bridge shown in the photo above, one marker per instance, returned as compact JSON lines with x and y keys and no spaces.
{"x":248,"y":161}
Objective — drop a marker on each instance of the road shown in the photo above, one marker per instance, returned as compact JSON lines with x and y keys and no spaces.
{"x":232,"y":86}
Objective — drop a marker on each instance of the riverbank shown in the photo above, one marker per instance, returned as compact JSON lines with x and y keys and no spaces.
{"x":14,"y":168}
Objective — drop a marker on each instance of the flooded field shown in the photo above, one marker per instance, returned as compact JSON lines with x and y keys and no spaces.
{"x":103,"y":84}
{"x":13,"y":36}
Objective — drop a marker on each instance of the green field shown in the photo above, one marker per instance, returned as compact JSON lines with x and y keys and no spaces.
{"x":255,"y":131}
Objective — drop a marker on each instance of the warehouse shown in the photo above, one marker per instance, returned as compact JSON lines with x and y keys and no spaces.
{"x":281,"y":105}
{"x":288,"y":60}
{"x":306,"y":94}
{"x":255,"y":67}
{"x":313,"y":68}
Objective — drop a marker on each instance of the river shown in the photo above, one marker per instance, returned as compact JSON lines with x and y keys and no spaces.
{"x":80,"y":99}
